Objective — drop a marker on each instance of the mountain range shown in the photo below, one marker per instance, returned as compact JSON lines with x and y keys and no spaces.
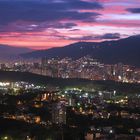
{"x":9,"y":52}
{"x":125,"y":50}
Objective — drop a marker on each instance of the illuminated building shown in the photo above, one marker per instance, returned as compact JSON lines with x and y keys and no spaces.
{"x":58,"y":113}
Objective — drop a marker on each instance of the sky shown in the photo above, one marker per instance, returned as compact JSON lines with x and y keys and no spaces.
{"x":43,"y":24}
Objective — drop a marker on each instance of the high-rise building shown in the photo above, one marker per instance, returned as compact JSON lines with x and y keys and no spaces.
{"x":58,"y":113}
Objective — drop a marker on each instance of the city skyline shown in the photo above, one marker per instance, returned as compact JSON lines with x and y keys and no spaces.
{"x":41,"y":24}
{"x":69,"y":70}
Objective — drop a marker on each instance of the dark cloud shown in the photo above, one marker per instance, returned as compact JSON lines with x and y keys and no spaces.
{"x":110,"y":36}
{"x":30,"y":27}
{"x":98,"y":37}
{"x":133,"y":10}
{"x":52,"y":10}
{"x":63,"y":25}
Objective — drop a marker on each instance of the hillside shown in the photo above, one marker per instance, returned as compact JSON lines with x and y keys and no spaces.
{"x":63,"y":83}
{"x":125,"y":50}
{"x":10,"y":51}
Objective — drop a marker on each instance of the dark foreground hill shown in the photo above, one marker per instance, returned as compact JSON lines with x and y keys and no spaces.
{"x":63,"y":83}
{"x":125,"y":50}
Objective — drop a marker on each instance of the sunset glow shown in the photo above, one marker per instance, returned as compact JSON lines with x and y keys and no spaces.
{"x":43,"y":24}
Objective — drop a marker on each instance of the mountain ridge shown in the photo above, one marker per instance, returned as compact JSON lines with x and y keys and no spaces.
{"x":125,"y":50}
{"x":7,"y":52}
